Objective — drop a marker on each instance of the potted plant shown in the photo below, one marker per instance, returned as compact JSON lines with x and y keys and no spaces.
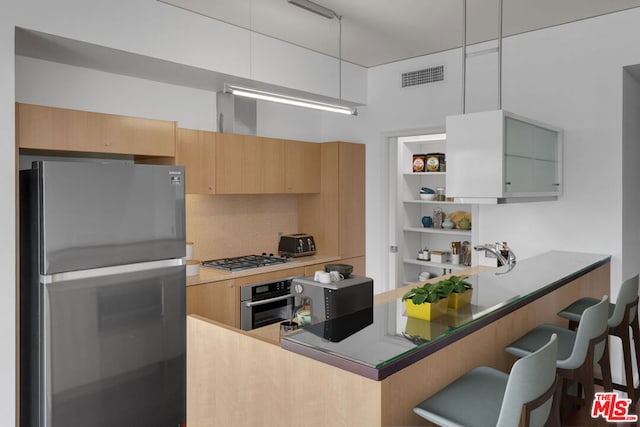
{"x":458,"y":291}
{"x":427,"y":301}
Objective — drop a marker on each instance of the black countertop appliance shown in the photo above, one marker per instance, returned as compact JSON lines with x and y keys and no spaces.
{"x":334,"y":299}
{"x":296,"y":245}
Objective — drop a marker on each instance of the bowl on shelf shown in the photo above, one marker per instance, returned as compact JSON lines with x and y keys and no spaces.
{"x":427,"y":190}
{"x":427,"y":196}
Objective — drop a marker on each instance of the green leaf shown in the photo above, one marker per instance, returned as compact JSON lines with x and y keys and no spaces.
{"x":419,"y":298}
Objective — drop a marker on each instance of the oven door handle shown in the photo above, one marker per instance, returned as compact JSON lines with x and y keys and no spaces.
{"x":267,"y":301}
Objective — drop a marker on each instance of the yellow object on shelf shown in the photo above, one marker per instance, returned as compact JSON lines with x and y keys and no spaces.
{"x":426,"y":310}
{"x":456,"y":216}
{"x":460,"y":300}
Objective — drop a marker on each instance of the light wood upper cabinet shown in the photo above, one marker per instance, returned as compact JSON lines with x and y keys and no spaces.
{"x":248,"y":164}
{"x":195,"y":150}
{"x":302,"y":167}
{"x":351,"y":167}
{"x":336,"y":216}
{"x":50,"y":128}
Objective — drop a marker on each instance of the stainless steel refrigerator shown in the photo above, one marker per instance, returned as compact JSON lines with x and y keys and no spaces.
{"x":102,"y":295}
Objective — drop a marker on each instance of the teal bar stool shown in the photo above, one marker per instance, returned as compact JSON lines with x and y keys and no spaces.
{"x":578,"y":351}
{"x":487,"y":397}
{"x":622,"y":316}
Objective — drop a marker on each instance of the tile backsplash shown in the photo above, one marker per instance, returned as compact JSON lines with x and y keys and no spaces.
{"x":233,"y":225}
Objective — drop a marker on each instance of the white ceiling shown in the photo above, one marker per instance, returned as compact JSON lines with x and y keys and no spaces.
{"x":376,"y":32}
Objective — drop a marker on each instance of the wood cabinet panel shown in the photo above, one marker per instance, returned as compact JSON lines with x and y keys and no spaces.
{"x":195,"y":150}
{"x":247,"y":164}
{"x":352,"y":199}
{"x":217,"y":301}
{"x":50,"y":128}
{"x":336,"y":216}
{"x":302,"y":167}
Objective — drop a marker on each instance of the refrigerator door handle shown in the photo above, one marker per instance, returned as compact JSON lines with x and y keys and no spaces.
{"x":109,"y":271}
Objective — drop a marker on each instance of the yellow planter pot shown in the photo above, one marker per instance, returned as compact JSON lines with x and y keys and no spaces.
{"x":460,"y":300}
{"x":427,"y":310}
{"x":425,"y":329}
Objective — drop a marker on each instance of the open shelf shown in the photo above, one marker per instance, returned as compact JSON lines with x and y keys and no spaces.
{"x":430,"y":230}
{"x":434,"y":202}
{"x":446,"y":265}
{"x":423,"y":173}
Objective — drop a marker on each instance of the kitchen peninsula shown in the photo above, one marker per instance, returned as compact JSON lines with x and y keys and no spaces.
{"x":375,"y":376}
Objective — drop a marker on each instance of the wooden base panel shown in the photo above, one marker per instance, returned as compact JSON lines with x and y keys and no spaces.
{"x":236,"y":380}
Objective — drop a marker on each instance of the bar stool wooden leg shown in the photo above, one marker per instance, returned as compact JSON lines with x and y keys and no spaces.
{"x":635,"y":332}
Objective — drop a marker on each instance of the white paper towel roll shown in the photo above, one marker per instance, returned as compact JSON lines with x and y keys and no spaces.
{"x":193,"y":267}
{"x":189,"y":251}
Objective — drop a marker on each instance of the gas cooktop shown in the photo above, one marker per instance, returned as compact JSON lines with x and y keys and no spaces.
{"x":244,"y":262}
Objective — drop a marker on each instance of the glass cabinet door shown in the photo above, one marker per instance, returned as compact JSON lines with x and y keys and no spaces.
{"x":532,"y":158}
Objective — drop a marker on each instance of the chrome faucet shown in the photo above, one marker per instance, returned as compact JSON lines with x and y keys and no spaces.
{"x":495,"y":249}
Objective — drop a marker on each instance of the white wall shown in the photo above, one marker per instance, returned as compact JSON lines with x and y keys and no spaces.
{"x":7,"y":220}
{"x":59,"y":85}
{"x":630,"y":175}
{"x":155,"y":29}
{"x":50,"y":83}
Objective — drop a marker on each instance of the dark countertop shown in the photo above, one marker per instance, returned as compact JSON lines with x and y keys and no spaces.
{"x":378,"y":342}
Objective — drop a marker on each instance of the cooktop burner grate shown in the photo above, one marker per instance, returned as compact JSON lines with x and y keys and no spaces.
{"x":244,"y":262}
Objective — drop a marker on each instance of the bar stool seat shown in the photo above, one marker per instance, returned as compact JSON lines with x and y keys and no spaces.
{"x":578,"y":351}
{"x":621,"y":316}
{"x":487,"y":397}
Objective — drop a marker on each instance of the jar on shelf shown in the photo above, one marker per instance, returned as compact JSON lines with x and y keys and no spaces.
{"x":440,"y":194}
{"x":438,"y":217}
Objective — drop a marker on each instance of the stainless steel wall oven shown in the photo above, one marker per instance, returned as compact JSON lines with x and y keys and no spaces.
{"x":264,"y":303}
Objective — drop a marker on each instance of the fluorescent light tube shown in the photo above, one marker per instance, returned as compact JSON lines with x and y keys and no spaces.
{"x":289,"y":100}
{"x":315,"y":8}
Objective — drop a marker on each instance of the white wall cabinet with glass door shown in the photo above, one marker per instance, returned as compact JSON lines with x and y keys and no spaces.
{"x":499,"y":155}
{"x":412,"y":234}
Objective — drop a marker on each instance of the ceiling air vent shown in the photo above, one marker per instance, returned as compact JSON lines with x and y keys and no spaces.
{"x":424,"y":76}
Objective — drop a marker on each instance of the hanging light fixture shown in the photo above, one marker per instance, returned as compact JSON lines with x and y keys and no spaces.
{"x":297,"y":101}
{"x":289,"y":100}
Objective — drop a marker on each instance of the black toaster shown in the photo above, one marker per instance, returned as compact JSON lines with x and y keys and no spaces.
{"x":295,"y":245}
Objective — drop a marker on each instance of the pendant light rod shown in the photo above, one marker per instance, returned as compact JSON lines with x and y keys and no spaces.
{"x":464,"y":55}
{"x":500,"y":57}
{"x":339,"y":58}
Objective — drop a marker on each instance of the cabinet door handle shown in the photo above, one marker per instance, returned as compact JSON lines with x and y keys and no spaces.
{"x":556,"y":184}
{"x":508,"y":183}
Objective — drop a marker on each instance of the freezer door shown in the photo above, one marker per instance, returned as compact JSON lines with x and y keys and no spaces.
{"x":114,"y":350}
{"x":102,"y":214}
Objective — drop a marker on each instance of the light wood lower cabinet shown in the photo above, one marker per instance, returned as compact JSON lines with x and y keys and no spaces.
{"x":216,"y":301}
{"x":195,"y":150}
{"x":59,"y":129}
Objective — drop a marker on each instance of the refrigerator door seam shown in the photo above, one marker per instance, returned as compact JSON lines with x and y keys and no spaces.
{"x":109,"y":271}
